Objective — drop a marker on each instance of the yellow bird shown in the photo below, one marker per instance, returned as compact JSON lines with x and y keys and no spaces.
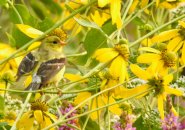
{"x":46,"y":64}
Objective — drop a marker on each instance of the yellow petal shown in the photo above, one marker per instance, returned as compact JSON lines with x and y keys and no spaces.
{"x":165,"y":36}
{"x":167,"y":79}
{"x":140,"y":72}
{"x":101,"y":51}
{"x":148,"y":58}
{"x":173,"y":91}
{"x":96,"y":102}
{"x":26,"y":121}
{"x":75,"y":77}
{"x":38,"y":116}
{"x":133,"y":6}
{"x":46,"y":123}
{"x":160,"y":105}
{"x":118,"y":67}
{"x":183,"y":54}
{"x":81,"y":97}
{"x":115,"y":8}
{"x":115,"y":108}
{"x":174,"y":43}
{"x":149,"y":49}
{"x":29,"y":31}
{"x":107,"y":56}
{"x":102,"y":3}
{"x":34,"y":46}
{"x":126,"y":93}
{"x":182,"y":23}
{"x":147,"y":42}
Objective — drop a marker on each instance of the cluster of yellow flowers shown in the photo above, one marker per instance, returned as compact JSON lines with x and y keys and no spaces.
{"x":156,"y":63}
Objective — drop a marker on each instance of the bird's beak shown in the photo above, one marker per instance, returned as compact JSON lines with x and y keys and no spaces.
{"x":62,"y":43}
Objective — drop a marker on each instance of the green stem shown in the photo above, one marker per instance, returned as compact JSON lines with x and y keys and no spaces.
{"x":155,"y":30}
{"x":91,"y":111}
{"x":16,"y":11}
{"x":48,"y":31}
{"x":127,"y":9}
{"x":21,"y":111}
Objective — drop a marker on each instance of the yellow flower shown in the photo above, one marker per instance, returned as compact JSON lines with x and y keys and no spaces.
{"x":159,"y":82}
{"x":38,"y":114}
{"x":9,"y":118}
{"x":5,"y":51}
{"x":99,"y":101}
{"x":168,"y":4}
{"x":176,"y":39}
{"x":109,"y":81}
{"x":118,"y":56}
{"x":115,"y":10}
{"x":141,"y":4}
{"x":163,"y":59}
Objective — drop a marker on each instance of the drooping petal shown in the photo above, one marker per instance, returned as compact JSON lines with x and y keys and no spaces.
{"x":133,"y":6}
{"x":182,"y":23}
{"x":46,"y":123}
{"x":34,"y":46}
{"x":148,"y":58}
{"x":26,"y":121}
{"x":115,"y":108}
{"x":140,"y":91}
{"x":160,"y":105}
{"x":104,"y":55}
{"x":115,"y":9}
{"x":174,"y":43}
{"x":149,"y":49}
{"x":183,"y":54}
{"x":117,"y":68}
{"x":140,"y":72}
{"x":96,"y":102}
{"x":81,"y":97}
{"x":102,"y":3}
{"x":29,"y":31}
{"x":174,"y":91}
{"x":165,"y":36}
{"x":75,"y":77}
{"x":167,"y":79}
{"x":38,"y":116}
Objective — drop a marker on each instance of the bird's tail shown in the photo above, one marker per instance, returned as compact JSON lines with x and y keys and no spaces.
{"x":33,"y":86}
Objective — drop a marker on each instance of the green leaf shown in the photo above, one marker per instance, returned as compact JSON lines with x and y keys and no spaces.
{"x":91,"y":125}
{"x":23,"y":12}
{"x":53,"y":6}
{"x":3,"y":2}
{"x":138,"y":21}
{"x":45,"y":24}
{"x":20,"y":38}
{"x":95,"y":39}
{"x":139,"y":124}
{"x":2,"y":105}
{"x":86,"y":23}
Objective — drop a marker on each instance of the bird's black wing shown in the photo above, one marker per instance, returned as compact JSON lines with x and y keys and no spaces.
{"x":27,"y":65}
{"x":49,"y":69}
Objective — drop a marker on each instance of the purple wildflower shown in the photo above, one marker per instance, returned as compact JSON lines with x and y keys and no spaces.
{"x":125,"y":123}
{"x":67,"y":107}
{"x":171,"y":122}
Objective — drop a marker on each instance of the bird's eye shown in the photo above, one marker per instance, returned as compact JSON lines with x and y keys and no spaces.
{"x":54,"y":42}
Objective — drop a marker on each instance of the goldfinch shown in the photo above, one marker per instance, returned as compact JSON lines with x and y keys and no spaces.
{"x":46,"y":64}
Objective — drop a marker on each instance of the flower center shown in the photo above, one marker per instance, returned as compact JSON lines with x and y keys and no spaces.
{"x":123,"y":50}
{"x":38,"y":105}
{"x":158,"y":84}
{"x":169,"y":58}
{"x":59,"y":33}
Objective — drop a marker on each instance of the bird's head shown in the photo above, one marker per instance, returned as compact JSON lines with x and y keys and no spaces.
{"x":53,"y":43}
